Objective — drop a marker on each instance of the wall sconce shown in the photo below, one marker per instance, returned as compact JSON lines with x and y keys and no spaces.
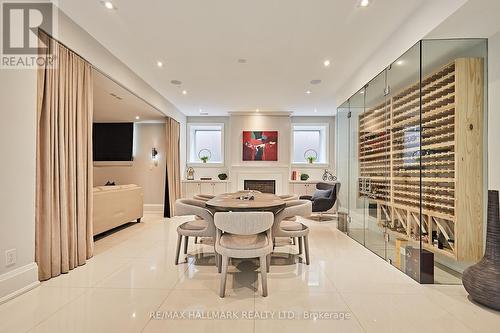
{"x":154,"y":156}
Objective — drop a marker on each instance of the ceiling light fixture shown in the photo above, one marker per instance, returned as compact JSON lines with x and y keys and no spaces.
{"x":400,"y":62}
{"x":308,"y":92}
{"x":326,"y":63}
{"x":315,"y":110}
{"x":257,"y":110}
{"x":108,"y":4}
{"x":364,"y":3}
{"x":137,"y":117}
{"x":184,"y":92}
{"x":159,"y":64}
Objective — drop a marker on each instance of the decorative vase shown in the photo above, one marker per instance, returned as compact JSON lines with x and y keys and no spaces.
{"x":482,"y":280}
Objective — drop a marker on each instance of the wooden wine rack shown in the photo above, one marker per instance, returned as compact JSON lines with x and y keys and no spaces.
{"x":445,"y":175}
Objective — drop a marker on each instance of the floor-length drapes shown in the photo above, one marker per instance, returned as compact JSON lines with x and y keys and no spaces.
{"x":64,"y":162}
{"x":173,"y":179}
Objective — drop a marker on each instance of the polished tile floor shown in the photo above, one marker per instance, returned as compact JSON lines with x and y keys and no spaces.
{"x":132,"y":285}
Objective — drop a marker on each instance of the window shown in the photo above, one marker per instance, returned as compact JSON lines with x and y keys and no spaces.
{"x":206,"y":143}
{"x":310,"y":141}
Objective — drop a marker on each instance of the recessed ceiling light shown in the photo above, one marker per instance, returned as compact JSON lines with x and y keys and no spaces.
{"x":159,"y":64}
{"x":184,"y":92}
{"x":400,"y":62}
{"x":137,"y":117}
{"x":364,"y":3}
{"x":326,"y":63}
{"x":257,"y":110}
{"x":315,"y":110}
{"x":308,"y":92}
{"x":108,"y":4}
{"x":362,"y":92}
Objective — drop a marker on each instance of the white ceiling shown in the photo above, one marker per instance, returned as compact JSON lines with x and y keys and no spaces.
{"x":284,"y":42}
{"x":113,"y":103}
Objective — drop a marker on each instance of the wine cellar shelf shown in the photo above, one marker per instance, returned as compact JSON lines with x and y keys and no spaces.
{"x":437,"y":165}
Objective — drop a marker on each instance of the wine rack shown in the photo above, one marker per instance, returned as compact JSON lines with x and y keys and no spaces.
{"x":420,"y":160}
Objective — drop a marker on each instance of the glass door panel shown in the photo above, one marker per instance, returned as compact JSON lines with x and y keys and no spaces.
{"x":357,"y":203}
{"x":374,"y":163}
{"x":407,"y":222}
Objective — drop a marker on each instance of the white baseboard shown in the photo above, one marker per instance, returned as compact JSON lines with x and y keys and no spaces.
{"x":18,"y":281}
{"x":153,"y":208}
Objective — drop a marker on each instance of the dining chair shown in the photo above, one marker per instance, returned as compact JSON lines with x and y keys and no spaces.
{"x":288,"y":197}
{"x":196,"y":228}
{"x":286,"y":228}
{"x":203,"y":197}
{"x":244,"y":235}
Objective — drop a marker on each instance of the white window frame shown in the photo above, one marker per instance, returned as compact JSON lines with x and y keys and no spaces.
{"x":325,"y":131}
{"x":191,"y":128}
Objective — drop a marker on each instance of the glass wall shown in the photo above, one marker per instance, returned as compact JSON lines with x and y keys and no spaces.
{"x":413,"y":142}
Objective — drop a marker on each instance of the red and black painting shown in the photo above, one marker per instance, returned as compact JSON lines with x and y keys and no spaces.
{"x":260,"y":145}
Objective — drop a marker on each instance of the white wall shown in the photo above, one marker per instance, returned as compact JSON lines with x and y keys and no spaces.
{"x":142,"y":171}
{"x":17,"y":179}
{"x":234,"y":126}
{"x":494,"y":112}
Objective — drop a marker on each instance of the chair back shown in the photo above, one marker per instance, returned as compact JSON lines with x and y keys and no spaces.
{"x":289,"y":197}
{"x":293,"y":208}
{"x":195,"y":207}
{"x":244,"y":223}
{"x":203,"y":197}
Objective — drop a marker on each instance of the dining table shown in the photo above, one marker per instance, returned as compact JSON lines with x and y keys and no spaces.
{"x":245,"y":201}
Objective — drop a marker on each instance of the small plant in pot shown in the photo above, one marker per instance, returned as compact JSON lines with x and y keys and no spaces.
{"x":304,"y":176}
{"x":222,"y":176}
{"x":311,"y":159}
{"x":204,"y":155}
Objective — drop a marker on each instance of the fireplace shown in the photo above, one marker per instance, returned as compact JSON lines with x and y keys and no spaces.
{"x":264,"y":186}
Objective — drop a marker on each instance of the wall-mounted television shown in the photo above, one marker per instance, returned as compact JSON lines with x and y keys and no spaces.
{"x":113,"y":141}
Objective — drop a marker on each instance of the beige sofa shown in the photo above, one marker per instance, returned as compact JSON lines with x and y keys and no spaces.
{"x":116,"y":205}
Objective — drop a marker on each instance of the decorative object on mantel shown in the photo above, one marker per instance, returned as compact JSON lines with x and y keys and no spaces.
{"x":328,"y":176}
{"x":311,"y":155}
{"x":110,"y":183}
{"x":205,"y":178}
{"x":304,"y":176}
{"x":222,"y":176}
{"x":482,"y":280}
{"x":190,"y":173}
{"x":204,"y":155}
{"x":260,"y":145}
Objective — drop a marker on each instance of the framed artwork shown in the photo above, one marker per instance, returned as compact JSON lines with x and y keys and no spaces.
{"x":260,"y":145}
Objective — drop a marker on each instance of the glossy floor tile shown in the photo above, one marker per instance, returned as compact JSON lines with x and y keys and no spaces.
{"x":132,"y":285}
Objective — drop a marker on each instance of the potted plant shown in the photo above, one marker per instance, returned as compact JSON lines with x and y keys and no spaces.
{"x":204,"y":158}
{"x":304,"y":176}
{"x":222,"y":176}
{"x":311,"y":159}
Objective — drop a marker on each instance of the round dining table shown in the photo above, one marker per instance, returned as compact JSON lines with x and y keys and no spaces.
{"x":240,"y":202}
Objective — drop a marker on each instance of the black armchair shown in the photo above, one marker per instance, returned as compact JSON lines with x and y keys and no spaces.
{"x":324,"y":198}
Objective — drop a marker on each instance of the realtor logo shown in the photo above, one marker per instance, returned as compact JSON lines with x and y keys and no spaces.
{"x":21,"y":22}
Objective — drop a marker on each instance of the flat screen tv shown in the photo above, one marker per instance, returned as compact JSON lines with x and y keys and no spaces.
{"x":113,"y":141}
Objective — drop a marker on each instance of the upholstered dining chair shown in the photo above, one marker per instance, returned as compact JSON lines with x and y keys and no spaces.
{"x":286,"y":228}
{"x":244,"y":235}
{"x":196,"y":228}
{"x":203,"y":197}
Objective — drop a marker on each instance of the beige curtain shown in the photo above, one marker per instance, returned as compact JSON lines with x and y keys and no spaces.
{"x":173,"y":163}
{"x":64,"y":162}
